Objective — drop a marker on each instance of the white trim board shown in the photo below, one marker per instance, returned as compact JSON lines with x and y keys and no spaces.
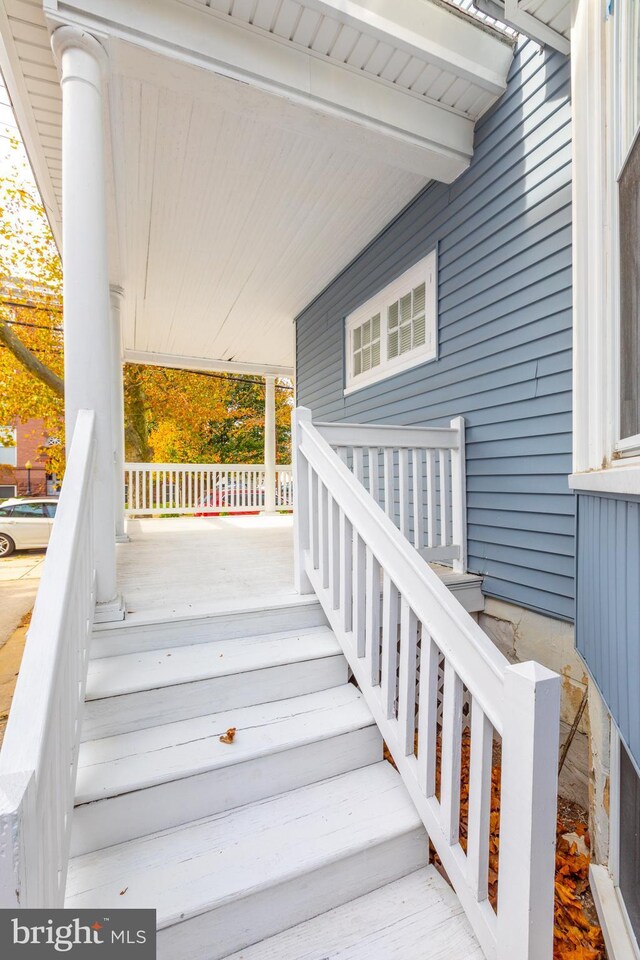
{"x":205,"y":363}
{"x":428,"y":132}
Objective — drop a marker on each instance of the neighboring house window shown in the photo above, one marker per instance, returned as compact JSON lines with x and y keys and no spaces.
{"x":396,"y":329}
{"x":8,"y":454}
{"x":628,"y":163}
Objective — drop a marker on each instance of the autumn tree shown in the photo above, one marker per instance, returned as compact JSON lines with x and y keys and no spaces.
{"x":197,"y":417}
{"x":31,"y":349}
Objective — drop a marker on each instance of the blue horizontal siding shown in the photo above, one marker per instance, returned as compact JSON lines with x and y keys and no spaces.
{"x":608,"y":605}
{"x":503,"y":231}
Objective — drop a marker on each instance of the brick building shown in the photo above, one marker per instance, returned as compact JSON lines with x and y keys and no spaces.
{"x":29,"y":447}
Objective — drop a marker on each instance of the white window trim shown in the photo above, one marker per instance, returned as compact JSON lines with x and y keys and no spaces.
{"x":410,"y":279}
{"x":602,"y":461}
{"x":13,"y":461}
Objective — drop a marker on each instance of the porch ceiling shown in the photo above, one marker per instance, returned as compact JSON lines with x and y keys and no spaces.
{"x":235,"y":203}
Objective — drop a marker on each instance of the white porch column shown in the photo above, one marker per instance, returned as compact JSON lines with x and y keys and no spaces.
{"x":88,"y":351}
{"x":270,"y":445}
{"x":117,"y":412}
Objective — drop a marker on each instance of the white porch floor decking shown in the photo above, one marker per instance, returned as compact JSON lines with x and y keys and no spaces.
{"x":175,"y":568}
{"x":193,"y":566}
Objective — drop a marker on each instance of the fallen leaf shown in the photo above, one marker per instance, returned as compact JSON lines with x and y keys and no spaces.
{"x":229,"y":736}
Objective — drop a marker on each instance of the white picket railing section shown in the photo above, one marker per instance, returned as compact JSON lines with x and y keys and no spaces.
{"x":40,"y":750}
{"x":152,"y":489}
{"x":417,"y":476}
{"x":428,"y":671}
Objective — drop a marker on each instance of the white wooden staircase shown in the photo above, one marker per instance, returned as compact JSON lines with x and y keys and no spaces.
{"x":296,"y":840}
{"x":297,"y":837}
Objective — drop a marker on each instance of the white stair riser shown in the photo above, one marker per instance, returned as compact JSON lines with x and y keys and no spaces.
{"x":117,"y":819}
{"x":139,"y":638}
{"x":147,"y":708}
{"x":241,"y":922}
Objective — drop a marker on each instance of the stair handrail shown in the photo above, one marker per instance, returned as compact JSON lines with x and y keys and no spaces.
{"x":39,"y":754}
{"x":344,"y":545}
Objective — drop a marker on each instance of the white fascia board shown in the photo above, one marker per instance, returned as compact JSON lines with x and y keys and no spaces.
{"x":439,"y":36}
{"x":21,"y":102}
{"x":535,"y":28}
{"x":438,"y":141}
{"x":175,"y":362}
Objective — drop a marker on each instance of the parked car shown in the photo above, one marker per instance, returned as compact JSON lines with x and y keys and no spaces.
{"x":225,"y":496}
{"x":26,"y":523}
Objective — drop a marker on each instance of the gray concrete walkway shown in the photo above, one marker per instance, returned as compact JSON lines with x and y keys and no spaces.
{"x":19,"y":579}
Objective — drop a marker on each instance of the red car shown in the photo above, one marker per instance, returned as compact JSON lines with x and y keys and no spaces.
{"x":228,"y":497}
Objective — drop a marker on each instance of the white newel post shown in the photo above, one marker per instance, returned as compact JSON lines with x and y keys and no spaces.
{"x":117,"y":414}
{"x":88,"y":350}
{"x":270,"y":445}
{"x":528,"y":812}
{"x":301,"y":502}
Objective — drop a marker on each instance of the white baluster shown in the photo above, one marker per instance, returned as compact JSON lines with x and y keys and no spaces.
{"x":374,"y":474}
{"x":479,"y":802}
{"x":346,"y":571}
{"x":431,"y":498}
{"x":451,"y":753}
{"x":445,"y":522}
{"x":403,"y":487}
{"x":418,"y":502}
{"x":389,"y":484}
{"x":390,"y":610}
{"x":407,"y":678}
{"x":373,"y":617}
{"x":428,"y":714}
{"x":359,"y":593}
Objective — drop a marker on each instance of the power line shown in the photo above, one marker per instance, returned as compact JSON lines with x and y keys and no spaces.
{"x":34,"y":326}
{"x":227,"y":377}
{"x":197,"y":373}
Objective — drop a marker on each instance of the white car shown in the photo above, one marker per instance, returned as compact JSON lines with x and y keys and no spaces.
{"x":26,"y":524}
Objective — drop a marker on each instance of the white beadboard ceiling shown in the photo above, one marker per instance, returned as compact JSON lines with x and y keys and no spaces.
{"x":234,"y":204}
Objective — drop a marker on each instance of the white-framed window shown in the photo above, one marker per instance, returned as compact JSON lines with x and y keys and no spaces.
{"x":626,"y":127}
{"x":8,"y":450}
{"x":394,"y":330}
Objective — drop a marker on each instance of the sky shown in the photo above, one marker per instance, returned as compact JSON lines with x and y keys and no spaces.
{"x":10,"y":157}
{"x":14,"y":163}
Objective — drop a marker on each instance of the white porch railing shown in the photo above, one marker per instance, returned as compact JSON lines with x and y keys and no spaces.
{"x":209,"y":488}
{"x":417,"y":476}
{"x":428,"y":671}
{"x":40,"y":750}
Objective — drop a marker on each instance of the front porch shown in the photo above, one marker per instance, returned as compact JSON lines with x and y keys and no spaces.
{"x":181,"y":567}
{"x":190,"y":566}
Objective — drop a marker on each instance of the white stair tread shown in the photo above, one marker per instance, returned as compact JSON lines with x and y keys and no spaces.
{"x":135,"y":672}
{"x":417,"y":917}
{"x":188,"y":870}
{"x":117,"y":765}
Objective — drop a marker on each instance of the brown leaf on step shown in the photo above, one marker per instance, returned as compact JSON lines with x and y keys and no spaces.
{"x":122,"y":892}
{"x":229,"y":736}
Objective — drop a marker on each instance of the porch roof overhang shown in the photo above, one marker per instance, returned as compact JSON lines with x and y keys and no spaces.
{"x":256,"y":146}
